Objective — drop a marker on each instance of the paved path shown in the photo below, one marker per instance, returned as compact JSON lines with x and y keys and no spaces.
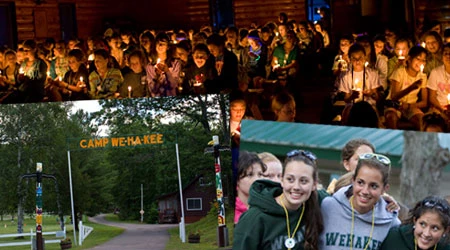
{"x":135,"y":236}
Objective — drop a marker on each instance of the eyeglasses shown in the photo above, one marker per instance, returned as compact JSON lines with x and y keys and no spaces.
{"x":436,"y":204}
{"x":304,"y":153}
{"x":380,"y":158}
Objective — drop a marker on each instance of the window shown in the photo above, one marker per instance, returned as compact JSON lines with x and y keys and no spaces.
{"x":194,"y":204}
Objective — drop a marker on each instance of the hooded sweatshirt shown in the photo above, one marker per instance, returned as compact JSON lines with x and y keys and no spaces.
{"x":263,"y":226}
{"x":402,"y":238}
{"x":337,"y":219}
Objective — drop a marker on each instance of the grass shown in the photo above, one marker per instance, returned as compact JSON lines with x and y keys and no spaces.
{"x":100,"y":234}
{"x":208,"y":234}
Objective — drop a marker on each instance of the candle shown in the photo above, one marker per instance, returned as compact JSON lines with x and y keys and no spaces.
{"x":276,"y":64}
{"x":340,"y":57}
{"x":400,"y":55}
{"x":355,"y":84}
{"x":129,"y":91}
{"x":48,"y":73}
{"x":423,"y":44}
{"x":21,"y":71}
{"x":366,"y":64}
{"x":60,"y":78}
{"x":276,"y":33}
{"x":81,"y":79}
{"x":158,"y":61}
{"x":421,"y":68}
{"x":448,"y":99}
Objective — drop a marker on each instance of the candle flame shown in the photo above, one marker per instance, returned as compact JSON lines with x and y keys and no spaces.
{"x":400,"y":53}
{"x":366,"y":64}
{"x":158,"y":61}
{"x":421,"y":68}
{"x":423,"y":44}
{"x":129,"y":88}
{"x":48,"y":73}
{"x":81,"y":79}
{"x":21,"y":71}
{"x":448,"y":98}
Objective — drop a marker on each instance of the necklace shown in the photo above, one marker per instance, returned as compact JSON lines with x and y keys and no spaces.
{"x":353,"y":224}
{"x":415,"y":244}
{"x":290,"y":241}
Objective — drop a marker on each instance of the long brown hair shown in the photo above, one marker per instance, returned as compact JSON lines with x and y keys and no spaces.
{"x":313,"y":214}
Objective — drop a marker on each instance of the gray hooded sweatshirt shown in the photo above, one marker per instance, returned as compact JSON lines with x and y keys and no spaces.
{"x":337,"y":219}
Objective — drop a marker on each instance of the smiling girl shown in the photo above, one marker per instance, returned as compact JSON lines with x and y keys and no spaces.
{"x":285,"y":216}
{"x":355,"y":217}
{"x":426,"y":228}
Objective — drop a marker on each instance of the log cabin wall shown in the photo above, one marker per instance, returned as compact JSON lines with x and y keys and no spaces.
{"x":39,"y":21}
{"x":263,"y":11}
{"x":169,"y":14}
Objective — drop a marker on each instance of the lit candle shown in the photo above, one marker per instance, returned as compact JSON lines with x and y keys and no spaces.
{"x":129,"y":91}
{"x":366,"y":64}
{"x":448,"y":99}
{"x":59,"y":78}
{"x":21,"y":71}
{"x":340,"y":57}
{"x":276,"y":64}
{"x":355,"y":84}
{"x":48,"y":73}
{"x":276,"y":33}
{"x":423,"y":44}
{"x":400,"y":55}
{"x":158,"y":61}
{"x":421,"y":68}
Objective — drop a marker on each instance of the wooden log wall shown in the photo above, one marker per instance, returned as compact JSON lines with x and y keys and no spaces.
{"x":39,"y":21}
{"x":263,"y":11}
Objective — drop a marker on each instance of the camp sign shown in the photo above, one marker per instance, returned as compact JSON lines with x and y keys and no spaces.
{"x":117,"y":141}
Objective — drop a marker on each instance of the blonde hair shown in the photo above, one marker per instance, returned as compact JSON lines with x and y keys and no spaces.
{"x":267,"y":157}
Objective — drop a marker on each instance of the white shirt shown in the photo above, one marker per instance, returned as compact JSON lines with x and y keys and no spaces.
{"x":348,"y":82}
{"x":439,"y":81}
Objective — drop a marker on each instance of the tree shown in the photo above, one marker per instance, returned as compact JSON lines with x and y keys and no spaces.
{"x":422,"y":163}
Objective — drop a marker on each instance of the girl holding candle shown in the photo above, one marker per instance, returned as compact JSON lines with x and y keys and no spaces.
{"x":439,"y":84}
{"x":199,"y":74}
{"x":361,"y":83}
{"x":74,"y":85}
{"x":32,"y":75}
{"x":401,"y":49}
{"x":342,"y":59}
{"x":406,"y":84}
{"x":285,"y":216}
{"x":8,"y":75}
{"x":105,"y":81}
{"x":426,"y":228}
{"x":163,"y":72}
{"x":135,"y":81}
{"x":286,"y":56}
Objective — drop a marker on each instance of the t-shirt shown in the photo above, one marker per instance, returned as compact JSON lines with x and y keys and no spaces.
{"x":400,"y":75}
{"x":353,"y":80}
{"x":440,"y":82}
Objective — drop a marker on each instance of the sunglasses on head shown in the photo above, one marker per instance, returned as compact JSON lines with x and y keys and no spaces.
{"x":436,"y":204}
{"x":380,"y":158}
{"x":304,"y":153}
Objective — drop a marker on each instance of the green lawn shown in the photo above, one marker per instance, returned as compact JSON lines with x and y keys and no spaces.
{"x":100,"y":234}
{"x":208,"y":234}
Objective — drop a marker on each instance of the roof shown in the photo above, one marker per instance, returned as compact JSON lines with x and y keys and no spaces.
{"x":326,"y":141}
